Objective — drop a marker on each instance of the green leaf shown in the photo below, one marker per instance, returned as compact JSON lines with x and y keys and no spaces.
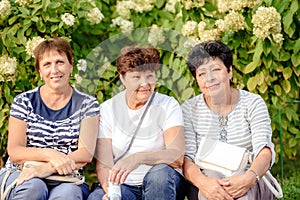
{"x":258,"y":52}
{"x":297,"y":46}
{"x":251,"y":83}
{"x":291,"y":114}
{"x":12,"y":19}
{"x":296,"y":59}
{"x":187,"y":93}
{"x":294,"y":130}
{"x":263,"y":88}
{"x":159,"y":3}
{"x":24,"y":11}
{"x":250,"y":68}
{"x":286,"y":86}
{"x":292,"y":142}
{"x":284,"y":56}
{"x":287,"y":73}
{"x":287,"y":20}
{"x":278,"y":90}
{"x":41,"y":26}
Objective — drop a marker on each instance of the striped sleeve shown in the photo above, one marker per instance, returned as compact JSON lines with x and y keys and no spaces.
{"x":189,"y":133}
{"x":260,"y":125}
{"x":19,"y":107}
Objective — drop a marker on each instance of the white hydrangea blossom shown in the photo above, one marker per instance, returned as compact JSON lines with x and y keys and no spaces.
{"x":81,"y":65}
{"x":142,"y":5}
{"x":278,"y":38}
{"x":201,"y":26}
{"x":4,"y":8}
{"x":95,"y":16}
{"x":170,"y":5}
{"x":125,"y":25}
{"x":32,"y":44}
{"x":226,"y":5}
{"x":233,"y":22}
{"x":156,"y":36}
{"x":102,"y":69}
{"x":188,"y":4}
{"x":7,"y":67}
{"x":68,"y":19}
{"x":207,"y":35}
{"x":266,"y":21}
{"x":123,"y":9}
{"x":78,"y":78}
{"x":24,"y":2}
{"x":190,"y":43}
{"x":190,"y":28}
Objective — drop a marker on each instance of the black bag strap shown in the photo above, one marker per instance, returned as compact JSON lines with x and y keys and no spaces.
{"x":137,"y":128}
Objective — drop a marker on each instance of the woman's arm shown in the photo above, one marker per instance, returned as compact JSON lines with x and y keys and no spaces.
{"x":172,"y":155}
{"x":240,"y":184}
{"x":104,"y":161}
{"x":89,"y":128}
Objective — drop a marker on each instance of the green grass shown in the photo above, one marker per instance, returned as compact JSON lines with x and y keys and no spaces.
{"x":290,"y":182}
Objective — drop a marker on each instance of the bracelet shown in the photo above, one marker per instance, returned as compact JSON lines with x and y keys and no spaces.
{"x":256,"y":175}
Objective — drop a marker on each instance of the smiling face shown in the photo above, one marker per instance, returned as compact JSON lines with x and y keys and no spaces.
{"x":55,"y":69}
{"x":140,"y":86}
{"x":213,"y":77}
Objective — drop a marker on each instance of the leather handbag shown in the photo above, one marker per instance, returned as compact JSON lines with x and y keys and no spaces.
{"x":229,"y":160}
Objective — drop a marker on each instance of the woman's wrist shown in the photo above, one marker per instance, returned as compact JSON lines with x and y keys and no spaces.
{"x":254,"y":175}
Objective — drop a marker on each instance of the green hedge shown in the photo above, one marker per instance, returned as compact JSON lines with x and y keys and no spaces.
{"x":263,"y":35}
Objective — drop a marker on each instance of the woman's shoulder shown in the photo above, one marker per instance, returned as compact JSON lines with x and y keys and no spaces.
{"x":27,"y":95}
{"x":198,"y":99}
{"x":249,"y":96}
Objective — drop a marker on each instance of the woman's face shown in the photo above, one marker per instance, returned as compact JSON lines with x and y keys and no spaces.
{"x":213,"y":77}
{"x":139,"y":86}
{"x":55,"y":69}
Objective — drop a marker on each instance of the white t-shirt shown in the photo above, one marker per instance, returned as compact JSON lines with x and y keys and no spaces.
{"x":119,"y":122}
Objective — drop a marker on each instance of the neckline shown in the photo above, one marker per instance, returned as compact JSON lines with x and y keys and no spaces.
{"x":233,"y":107}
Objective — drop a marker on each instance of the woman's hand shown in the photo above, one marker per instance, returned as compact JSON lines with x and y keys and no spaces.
{"x":62,"y":163}
{"x":212,"y":189}
{"x":239,"y":185}
{"x":31,"y":171}
{"x":123,"y":167}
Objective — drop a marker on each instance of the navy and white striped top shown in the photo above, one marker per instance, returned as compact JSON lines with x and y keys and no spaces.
{"x":248,"y":124}
{"x":56,"y":129}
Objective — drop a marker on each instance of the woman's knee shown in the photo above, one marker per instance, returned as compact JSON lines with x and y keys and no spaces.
{"x":66,"y":191}
{"x":32,"y":189}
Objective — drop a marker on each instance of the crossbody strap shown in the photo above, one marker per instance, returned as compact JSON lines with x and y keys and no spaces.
{"x":137,"y":128}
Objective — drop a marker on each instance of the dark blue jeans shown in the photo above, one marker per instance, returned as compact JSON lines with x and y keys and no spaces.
{"x":161,"y":182}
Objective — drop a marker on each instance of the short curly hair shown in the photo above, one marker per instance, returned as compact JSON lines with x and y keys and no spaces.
{"x":135,"y":58}
{"x":211,"y":49}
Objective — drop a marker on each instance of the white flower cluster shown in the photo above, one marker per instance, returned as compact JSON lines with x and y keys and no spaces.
{"x":188,"y":4}
{"x":207,"y":35}
{"x":24,"y":2}
{"x":68,"y":19}
{"x":232,"y":22}
{"x":78,"y":78}
{"x":4,"y":8}
{"x":7,"y":67}
{"x":198,"y":32}
{"x":81,"y":65}
{"x":95,"y":16}
{"x":226,"y":5}
{"x":32,"y":44}
{"x":125,"y":25}
{"x":267,"y":21}
{"x":170,"y":5}
{"x":156,"y":36}
{"x":190,"y":28}
{"x":124,"y":7}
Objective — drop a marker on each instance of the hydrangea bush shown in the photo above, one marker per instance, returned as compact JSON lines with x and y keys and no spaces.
{"x":263,"y":35}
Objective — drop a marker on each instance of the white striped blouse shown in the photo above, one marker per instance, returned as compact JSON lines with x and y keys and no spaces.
{"x":247,"y":125}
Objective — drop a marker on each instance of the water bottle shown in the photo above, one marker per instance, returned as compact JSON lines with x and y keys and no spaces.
{"x":114,"y":191}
